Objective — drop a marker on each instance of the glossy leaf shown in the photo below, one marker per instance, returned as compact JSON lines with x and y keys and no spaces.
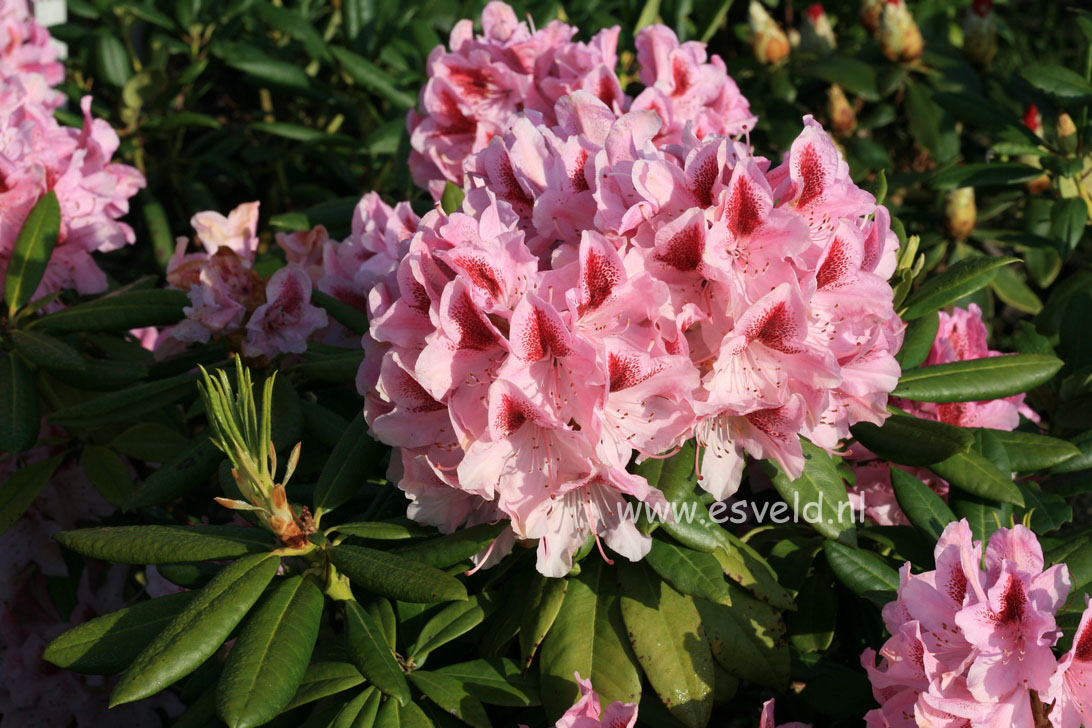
{"x":664,"y":628}
{"x":126,"y":405}
{"x":453,"y":548}
{"x":747,"y":639}
{"x":961,"y":279}
{"x":383,"y":530}
{"x":984,"y":174}
{"x":863,"y":572}
{"x":106,"y":645}
{"x":199,"y":630}
{"x":322,"y":679}
{"x":120,"y":311}
{"x":449,"y":623}
{"x":395,"y":577}
{"x":371,"y":654}
{"x":191,"y":467}
{"x":973,"y":473}
{"x":690,"y":572}
{"x":270,"y":656}
{"x":347,"y":467}
{"x":921,"y":504}
{"x":452,"y":696}
{"x":811,"y":629}
{"x":978,"y":379}
{"x":47,"y":352}
{"x":165,"y":544}
{"x":543,"y":604}
{"x":818,"y":496}
{"x":1059,"y":81}
{"x":495,"y":681}
{"x":918,"y":341}
{"x":107,"y":472}
{"x":21,"y":487}
{"x":33,"y":246}
{"x":1030,"y":451}
{"x":909,"y":440}
{"x":372,"y":77}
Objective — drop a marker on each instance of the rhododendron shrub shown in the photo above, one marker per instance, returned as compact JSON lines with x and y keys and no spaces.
{"x":586,"y":427}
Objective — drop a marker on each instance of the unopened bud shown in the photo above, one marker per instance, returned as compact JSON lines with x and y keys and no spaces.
{"x":769,"y":42}
{"x":900,"y":36}
{"x":980,"y":33}
{"x":960,"y":212}
{"x":871,"y":14}
{"x":843,"y":119}
{"x":816,"y":34}
{"x":1033,"y":120}
{"x":1066,"y":131}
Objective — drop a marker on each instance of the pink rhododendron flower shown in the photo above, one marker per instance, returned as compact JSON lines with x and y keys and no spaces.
{"x":26,"y":47}
{"x":971,"y":641}
{"x":38,"y":155}
{"x":481,"y":83}
{"x":587,"y":712}
{"x":766,"y":720}
{"x":961,"y":336}
{"x":600,"y":298}
{"x":284,"y":322}
{"x":1071,"y":685}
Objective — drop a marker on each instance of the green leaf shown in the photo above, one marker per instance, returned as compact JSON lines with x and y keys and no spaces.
{"x":545,"y":598}
{"x":984,"y":174}
{"x":20,"y":489}
{"x":495,"y":681}
{"x":853,"y":75}
{"x":106,"y":645}
{"x":453,"y":548}
{"x":347,"y":467}
{"x":371,"y":654}
{"x":861,"y":571}
{"x":909,"y":440}
{"x":323,"y":679}
{"x":1059,"y":82}
{"x":111,"y":59}
{"x":921,"y":504}
{"x":747,"y":639}
{"x":383,"y":530}
{"x":819,"y":495}
{"x":295,"y":25}
{"x":974,"y":474}
{"x":452,"y":199}
{"x":1011,"y":288}
{"x":151,"y":442}
{"x":452,"y":696}
{"x":199,"y":630}
{"x":253,"y":62}
{"x":1068,"y":219}
{"x":165,"y":544}
{"x":690,"y":572}
{"x":744,"y":565}
{"x":118,"y":312}
{"x":350,"y":713}
{"x":449,"y":623}
{"x":918,"y":341}
{"x":372,"y":77}
{"x":961,"y":279}
{"x":394,"y":576}
{"x":1029,"y":451}
{"x":984,"y":517}
{"x":649,"y":12}
{"x":348,"y":316}
{"x":930,"y":126}
{"x":126,"y":405}
{"x":812,"y":629}
{"x":664,"y":628}
{"x":1077,"y":555}
{"x":588,"y":637}
{"x":269,"y":659}
{"x":33,"y":246}
{"x":975,"y":380}
{"x":20,"y":421}
{"x":1049,"y":511}
{"x":190,"y":468}
{"x":107,"y":472}
{"x":47,"y":352}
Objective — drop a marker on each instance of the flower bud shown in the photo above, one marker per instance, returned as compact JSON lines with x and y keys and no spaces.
{"x":1034,"y":121}
{"x":980,"y":33}
{"x":843,"y":119}
{"x":960,"y":212}
{"x":769,"y":42}
{"x":900,"y":37}
{"x":816,"y":34}
{"x":1066,"y":132}
{"x":871,"y":13}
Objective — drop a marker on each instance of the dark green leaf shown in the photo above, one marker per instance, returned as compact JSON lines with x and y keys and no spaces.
{"x":269,"y":659}
{"x":107,"y":472}
{"x":106,"y":645}
{"x":394,"y":576}
{"x":664,"y":628}
{"x":689,"y":572}
{"x":325,"y":678}
{"x":383,"y":530}
{"x":975,"y":380}
{"x":449,"y":623}
{"x":984,"y":517}
{"x":811,"y":629}
{"x":165,"y":544}
{"x":150,"y":442}
{"x":47,"y":352}
{"x":371,"y":654}
{"x":20,"y":489}
{"x":131,"y":403}
{"x":918,"y":341}
{"x":351,"y":318}
{"x":33,"y":246}
{"x":855,"y":76}
{"x":974,"y":474}
{"x":909,"y":440}
{"x":921,"y":504}
{"x":191,"y":467}
{"x":1059,"y":81}
{"x":1068,"y":218}
{"x":496,"y":681}
{"x":450,"y":549}
{"x":347,"y":467}
{"x":372,"y":77}
{"x":984,"y":174}
{"x":862,"y":571}
{"x":1029,"y":451}
{"x":961,"y":279}
{"x":199,"y":630}
{"x":818,"y":496}
{"x":19,"y":409}
{"x":118,"y":312}
{"x":747,"y":639}
{"x":1049,"y":511}
{"x":543,"y":604}
{"x":111,"y":60}
{"x":452,"y":696}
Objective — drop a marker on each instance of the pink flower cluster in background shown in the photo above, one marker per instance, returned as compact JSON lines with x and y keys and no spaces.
{"x":38,"y":155}
{"x":599,"y":297}
{"x":961,"y":336}
{"x":479,"y":83}
{"x":972,"y":645}
{"x":229,"y":299}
